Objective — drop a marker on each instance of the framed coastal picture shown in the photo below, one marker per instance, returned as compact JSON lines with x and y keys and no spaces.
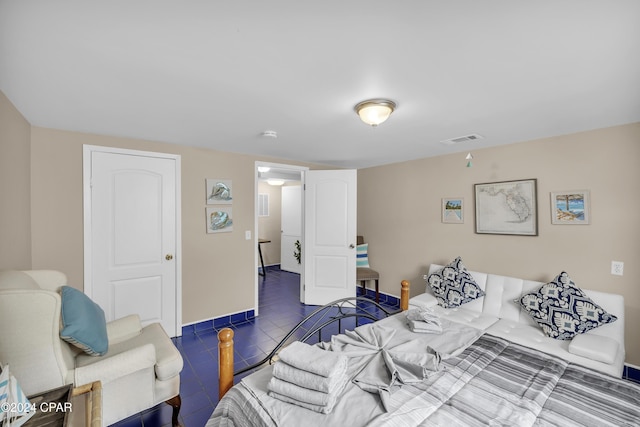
{"x":219,"y":191}
{"x":507,"y":207}
{"x":219,"y":219}
{"x":453,"y":210}
{"x":570,"y":207}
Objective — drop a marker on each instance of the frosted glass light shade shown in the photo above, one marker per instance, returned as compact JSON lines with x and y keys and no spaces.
{"x":375,"y":111}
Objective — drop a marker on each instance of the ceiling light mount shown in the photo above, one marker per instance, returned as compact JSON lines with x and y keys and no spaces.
{"x":375,"y":111}
{"x":270,"y":134}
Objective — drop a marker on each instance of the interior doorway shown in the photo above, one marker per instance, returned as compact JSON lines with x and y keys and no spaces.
{"x":279,"y":247}
{"x":291,"y":228}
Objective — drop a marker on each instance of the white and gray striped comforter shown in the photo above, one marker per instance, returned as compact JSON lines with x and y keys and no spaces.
{"x":493,"y":382}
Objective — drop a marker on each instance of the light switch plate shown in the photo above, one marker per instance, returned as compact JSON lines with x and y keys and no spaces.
{"x":247,"y":235}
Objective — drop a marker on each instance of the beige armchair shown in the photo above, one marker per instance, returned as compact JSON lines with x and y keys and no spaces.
{"x":140,"y":369}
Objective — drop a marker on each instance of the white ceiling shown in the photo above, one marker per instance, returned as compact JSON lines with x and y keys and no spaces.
{"x":218,"y":73}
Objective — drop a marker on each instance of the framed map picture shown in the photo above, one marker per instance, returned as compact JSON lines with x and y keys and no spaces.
{"x":507,"y":207}
{"x":452,"y":210}
{"x":570,"y":207}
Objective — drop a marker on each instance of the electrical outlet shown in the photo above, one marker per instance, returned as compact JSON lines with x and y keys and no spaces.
{"x":617,"y":268}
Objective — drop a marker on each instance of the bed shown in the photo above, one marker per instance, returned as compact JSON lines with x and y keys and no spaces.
{"x":480,"y":379}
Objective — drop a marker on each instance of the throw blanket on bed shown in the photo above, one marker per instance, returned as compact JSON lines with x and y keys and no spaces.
{"x":389,"y":365}
{"x":490,"y":382}
{"x":496,"y":382}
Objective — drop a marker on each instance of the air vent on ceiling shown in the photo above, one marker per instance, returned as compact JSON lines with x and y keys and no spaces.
{"x":458,"y":140}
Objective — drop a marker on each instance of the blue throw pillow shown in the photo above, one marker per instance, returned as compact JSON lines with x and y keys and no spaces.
{"x":563,"y":310}
{"x":362,"y":256}
{"x":83,"y":322}
{"x":453,"y":285}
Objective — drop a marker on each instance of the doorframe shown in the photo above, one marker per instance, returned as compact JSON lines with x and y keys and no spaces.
{"x":302,"y":170}
{"x":87,"y":151}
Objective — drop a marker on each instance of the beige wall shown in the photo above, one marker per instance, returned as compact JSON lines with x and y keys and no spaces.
{"x":399,"y":212}
{"x":218,"y":269}
{"x":15,"y":211}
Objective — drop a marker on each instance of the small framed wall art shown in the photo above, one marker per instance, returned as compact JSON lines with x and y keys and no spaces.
{"x":219,"y":191}
{"x":453,"y":210}
{"x":219,"y":219}
{"x":570,"y":207}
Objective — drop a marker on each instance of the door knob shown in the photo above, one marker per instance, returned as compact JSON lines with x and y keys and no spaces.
{"x":168,"y":257}
{"x":351,"y":246}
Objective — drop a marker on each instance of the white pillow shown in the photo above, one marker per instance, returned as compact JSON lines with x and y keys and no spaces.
{"x":423,"y":301}
{"x":594,"y":347}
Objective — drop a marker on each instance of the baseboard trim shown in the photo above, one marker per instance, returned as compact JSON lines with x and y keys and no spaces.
{"x":386,"y":299}
{"x":243,"y":316}
{"x":631,"y":372}
{"x":219,"y":322}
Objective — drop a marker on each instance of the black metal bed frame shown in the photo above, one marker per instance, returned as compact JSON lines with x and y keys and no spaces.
{"x":323,"y":316}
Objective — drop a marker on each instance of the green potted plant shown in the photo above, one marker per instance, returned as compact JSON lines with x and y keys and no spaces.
{"x":297,"y":253}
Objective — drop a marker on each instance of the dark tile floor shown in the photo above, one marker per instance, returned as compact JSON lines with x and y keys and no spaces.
{"x":280,"y":310}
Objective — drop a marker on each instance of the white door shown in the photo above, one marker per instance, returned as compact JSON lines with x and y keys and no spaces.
{"x":133,"y":235}
{"x":291,"y":227}
{"x":330,"y":235}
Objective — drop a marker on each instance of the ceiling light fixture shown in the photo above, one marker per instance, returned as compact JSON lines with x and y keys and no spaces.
{"x":273,"y":181}
{"x":375,"y":111}
{"x":264,"y":168}
{"x":270,"y":134}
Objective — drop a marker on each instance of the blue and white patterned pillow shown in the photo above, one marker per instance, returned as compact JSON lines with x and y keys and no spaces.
{"x":453,"y":285}
{"x":563,"y":310}
{"x":362,"y":255}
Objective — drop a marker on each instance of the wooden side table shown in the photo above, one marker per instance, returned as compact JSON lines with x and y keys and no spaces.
{"x":264,"y":272}
{"x":52,"y":407}
{"x":66,"y":406}
{"x":92,"y":396}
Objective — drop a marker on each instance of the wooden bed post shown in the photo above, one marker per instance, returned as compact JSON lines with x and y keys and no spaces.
{"x":404,"y":295}
{"x":225,"y":361}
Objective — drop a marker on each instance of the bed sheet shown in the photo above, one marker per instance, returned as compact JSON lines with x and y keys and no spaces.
{"x":484,"y":380}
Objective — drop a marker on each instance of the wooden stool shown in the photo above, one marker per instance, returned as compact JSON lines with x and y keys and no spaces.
{"x":365,"y":274}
